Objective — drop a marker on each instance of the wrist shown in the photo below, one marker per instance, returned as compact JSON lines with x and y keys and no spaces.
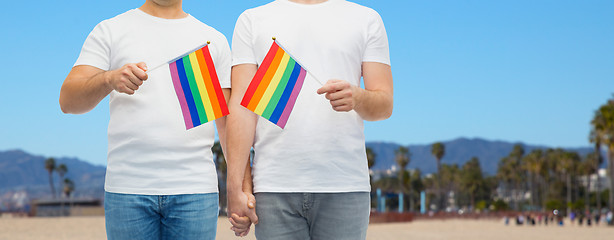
{"x":106,"y":79}
{"x":357,"y":95}
{"x":234,"y":188}
{"x":247,"y":189}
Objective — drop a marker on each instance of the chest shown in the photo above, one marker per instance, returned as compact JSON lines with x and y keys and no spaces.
{"x":329,"y":35}
{"x":154,"y":46}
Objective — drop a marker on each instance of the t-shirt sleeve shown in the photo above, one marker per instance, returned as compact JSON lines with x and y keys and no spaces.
{"x":242,"y":50}
{"x":96,"y":50}
{"x":222,"y":62}
{"x":377,"y":41}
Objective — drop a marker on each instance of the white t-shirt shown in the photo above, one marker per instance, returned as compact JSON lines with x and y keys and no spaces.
{"x":320,"y":150}
{"x":150,"y":152}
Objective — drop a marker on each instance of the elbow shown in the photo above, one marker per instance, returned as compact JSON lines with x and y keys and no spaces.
{"x":67,"y":107}
{"x":384,"y":112}
{"x":387,"y":113}
{"x":63,"y":105}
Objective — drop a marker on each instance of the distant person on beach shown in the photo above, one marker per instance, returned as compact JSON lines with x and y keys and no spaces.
{"x":161,"y":180}
{"x":310,"y":179}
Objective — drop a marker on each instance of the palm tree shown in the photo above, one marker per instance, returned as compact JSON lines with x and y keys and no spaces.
{"x":450,"y":178}
{"x":568,"y":164}
{"x":438,"y":150}
{"x":50,"y":166}
{"x":61,"y":170}
{"x":402,"y":159}
{"x":603,"y":127}
{"x":218,"y":156}
{"x":519,"y":176}
{"x":511,"y":172}
{"x":370,"y":157}
{"x":220,"y":162}
{"x":69,"y":187}
{"x":417,"y":185}
{"x":589,"y":167}
{"x":472,"y":179}
{"x":535,"y":163}
{"x":595,"y":139}
{"x":505,"y":174}
{"x":370,"y":162}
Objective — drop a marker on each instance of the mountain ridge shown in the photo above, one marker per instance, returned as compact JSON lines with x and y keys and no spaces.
{"x":23,"y":171}
{"x":457,"y":151}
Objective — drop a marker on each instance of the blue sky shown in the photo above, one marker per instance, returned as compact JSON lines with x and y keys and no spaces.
{"x":513,"y":70}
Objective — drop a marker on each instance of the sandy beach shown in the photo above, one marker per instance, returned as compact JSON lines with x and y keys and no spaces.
{"x":73,"y":228}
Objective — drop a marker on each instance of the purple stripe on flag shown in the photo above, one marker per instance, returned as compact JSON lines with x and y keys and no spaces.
{"x":297,"y":89}
{"x":187,"y":118}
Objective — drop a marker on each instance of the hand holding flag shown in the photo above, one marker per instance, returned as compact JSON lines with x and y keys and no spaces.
{"x":128,"y":78}
{"x":341,"y":95}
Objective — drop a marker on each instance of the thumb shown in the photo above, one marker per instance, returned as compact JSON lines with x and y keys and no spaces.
{"x":142,"y":66}
{"x":324,"y":89}
{"x":252,"y":216}
{"x":327,"y":87}
{"x":251,"y":201}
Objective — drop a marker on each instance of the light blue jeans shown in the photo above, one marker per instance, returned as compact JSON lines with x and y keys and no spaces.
{"x":190,"y":216}
{"x":318,"y":216}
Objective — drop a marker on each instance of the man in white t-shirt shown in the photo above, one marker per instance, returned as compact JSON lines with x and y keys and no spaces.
{"x":311,"y":178}
{"x":161,"y":180}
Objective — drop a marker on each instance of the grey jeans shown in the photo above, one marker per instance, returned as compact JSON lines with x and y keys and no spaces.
{"x":317,"y":216}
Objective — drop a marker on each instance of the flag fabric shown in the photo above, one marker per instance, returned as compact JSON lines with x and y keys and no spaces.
{"x":198,"y":88}
{"x":275,"y":87}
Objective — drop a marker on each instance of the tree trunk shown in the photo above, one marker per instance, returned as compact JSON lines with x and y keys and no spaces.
{"x":575,"y":188}
{"x":587,"y":203}
{"x":530,"y":178}
{"x":411,"y":201}
{"x":472,"y":195}
{"x":568,"y":179}
{"x":516,"y":201}
{"x":611,"y":173}
{"x":544,"y":192}
{"x":51,"y":184}
{"x":439,"y":187}
{"x":598,"y":188}
{"x":538,"y":191}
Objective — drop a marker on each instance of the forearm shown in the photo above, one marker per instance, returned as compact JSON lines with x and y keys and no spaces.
{"x":248,"y":185}
{"x":375,"y":101}
{"x":82,"y":90}
{"x":372,"y":105}
{"x":241,"y":128}
{"x":240,"y":135}
{"x":220,"y":123}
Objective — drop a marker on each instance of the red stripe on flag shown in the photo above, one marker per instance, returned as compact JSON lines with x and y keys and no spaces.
{"x":266,"y":80}
{"x":262,"y":69}
{"x":216,"y":82}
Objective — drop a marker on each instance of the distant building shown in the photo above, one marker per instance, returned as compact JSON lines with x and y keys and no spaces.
{"x":66,"y":207}
{"x":600,"y":177}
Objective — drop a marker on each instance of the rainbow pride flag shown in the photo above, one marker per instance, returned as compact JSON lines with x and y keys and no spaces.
{"x":275,"y":87}
{"x":198,"y":88}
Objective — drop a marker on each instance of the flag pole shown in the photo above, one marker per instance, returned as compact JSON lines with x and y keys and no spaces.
{"x":177,"y":58}
{"x":295,"y":59}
